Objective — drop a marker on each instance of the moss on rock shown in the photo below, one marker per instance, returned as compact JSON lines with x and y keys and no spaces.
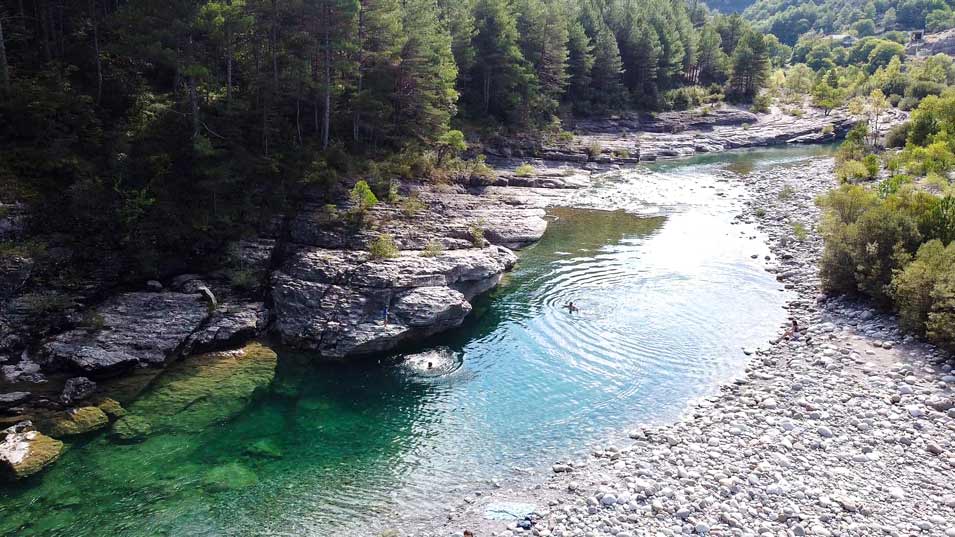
{"x":230,"y":476}
{"x":78,"y":421}
{"x":205,"y":389}
{"x":265,"y":448}
{"x":130,"y":429}
{"x":112,"y":408}
{"x":24,"y":454}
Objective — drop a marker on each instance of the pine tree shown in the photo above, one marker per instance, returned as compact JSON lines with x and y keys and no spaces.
{"x":580,"y":66}
{"x":750,"y":66}
{"x":608,"y":89}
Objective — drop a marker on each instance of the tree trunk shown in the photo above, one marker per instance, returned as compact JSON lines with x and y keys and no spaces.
{"x":487,"y":90}
{"x":228,"y":71}
{"x":96,"y":52}
{"x":228,"y":63}
{"x":356,"y":120}
{"x":4,"y":68}
{"x":327,"y":112}
{"x":193,"y":95}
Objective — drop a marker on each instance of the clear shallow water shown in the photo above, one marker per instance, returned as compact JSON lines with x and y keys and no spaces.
{"x":666,"y":303}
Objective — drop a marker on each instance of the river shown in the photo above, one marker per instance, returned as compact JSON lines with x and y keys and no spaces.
{"x":669,"y":292}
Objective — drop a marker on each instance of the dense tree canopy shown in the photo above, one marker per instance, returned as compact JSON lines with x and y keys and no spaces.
{"x":165,"y":121}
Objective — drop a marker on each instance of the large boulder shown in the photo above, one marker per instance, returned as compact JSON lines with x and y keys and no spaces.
{"x":229,"y":325}
{"x":334,"y":301}
{"x":133,"y":329}
{"x":24,"y":451}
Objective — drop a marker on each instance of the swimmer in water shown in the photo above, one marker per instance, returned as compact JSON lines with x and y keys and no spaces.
{"x":429,"y":365}
{"x":571,"y":307}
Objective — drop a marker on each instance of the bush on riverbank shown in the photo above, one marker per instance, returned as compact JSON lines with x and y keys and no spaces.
{"x":891,"y":246}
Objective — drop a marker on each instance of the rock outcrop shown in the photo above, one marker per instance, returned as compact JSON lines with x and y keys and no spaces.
{"x":331,"y":296}
{"x":137,"y":329}
{"x":334,"y":301}
{"x":24,"y":451}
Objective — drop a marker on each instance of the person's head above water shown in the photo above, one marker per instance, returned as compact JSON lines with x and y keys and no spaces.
{"x":429,"y":365}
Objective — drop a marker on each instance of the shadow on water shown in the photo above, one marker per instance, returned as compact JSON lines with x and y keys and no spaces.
{"x":302,"y":447}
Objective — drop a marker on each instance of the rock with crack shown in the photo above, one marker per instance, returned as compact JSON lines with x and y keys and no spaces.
{"x":229,"y":325}
{"x":334,"y":301}
{"x":138,"y":329}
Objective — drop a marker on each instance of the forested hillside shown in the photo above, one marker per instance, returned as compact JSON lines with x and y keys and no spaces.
{"x":164,"y":127}
{"x":788,"y":19}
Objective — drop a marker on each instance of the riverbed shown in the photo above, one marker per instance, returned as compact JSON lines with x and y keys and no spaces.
{"x":670,"y":286}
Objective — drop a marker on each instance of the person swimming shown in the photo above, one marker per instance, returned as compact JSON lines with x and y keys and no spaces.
{"x":571,"y":307}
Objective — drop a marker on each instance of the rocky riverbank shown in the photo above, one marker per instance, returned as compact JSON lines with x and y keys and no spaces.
{"x":312,"y":283}
{"x":846,"y":429}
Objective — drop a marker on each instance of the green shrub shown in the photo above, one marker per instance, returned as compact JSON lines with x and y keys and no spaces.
{"x":800,"y":233}
{"x":623,"y":152}
{"x":594,"y":149}
{"x":432,"y":249}
{"x":826,"y":130}
{"x":565,"y":136}
{"x":481,"y":172}
{"x":362,"y":196}
{"x":477,"y":236}
{"x":412,"y":205}
{"x":897,"y":135}
{"x":786,"y":192}
{"x":872,"y":166}
{"x":924,"y":292}
{"x":851,"y":171}
{"x":524,"y":170}
{"x":760,"y":212}
{"x":863,"y":237}
{"x":383,"y":247}
{"x":892,"y":185}
{"x":761,"y":103}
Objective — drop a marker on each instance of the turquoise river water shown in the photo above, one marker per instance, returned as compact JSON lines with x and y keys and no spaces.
{"x":667,"y":301}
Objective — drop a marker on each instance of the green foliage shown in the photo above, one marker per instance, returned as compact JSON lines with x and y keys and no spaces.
{"x":852,"y":171}
{"x":872,"y":166}
{"x":760,"y":212}
{"x":924,"y":292}
{"x":383,"y":247}
{"x":892,"y":185}
{"x":800,"y":233}
{"x":432,"y":249}
{"x":761,"y":103}
{"x":477,"y":235}
{"x":412,"y":205}
{"x":524,"y":170}
{"x":481,"y":172}
{"x":594,"y":149}
{"x":450,"y":144}
{"x":786,"y":193}
{"x":362,"y":196}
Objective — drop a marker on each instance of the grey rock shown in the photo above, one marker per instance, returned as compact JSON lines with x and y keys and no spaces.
{"x":140,"y":329}
{"x":333,"y":301}
{"x":229,"y":325}
{"x":12,"y":399}
{"x":77,"y":389}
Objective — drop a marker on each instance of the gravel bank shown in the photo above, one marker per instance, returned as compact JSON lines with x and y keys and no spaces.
{"x":848,"y":429}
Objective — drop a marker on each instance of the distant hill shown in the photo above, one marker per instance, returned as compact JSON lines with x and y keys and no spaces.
{"x":788,"y":19}
{"x":728,"y":6}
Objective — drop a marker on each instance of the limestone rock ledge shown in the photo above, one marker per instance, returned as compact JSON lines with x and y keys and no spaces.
{"x":334,"y":301}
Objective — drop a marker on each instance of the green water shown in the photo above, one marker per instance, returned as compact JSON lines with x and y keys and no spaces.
{"x":305,"y":448}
